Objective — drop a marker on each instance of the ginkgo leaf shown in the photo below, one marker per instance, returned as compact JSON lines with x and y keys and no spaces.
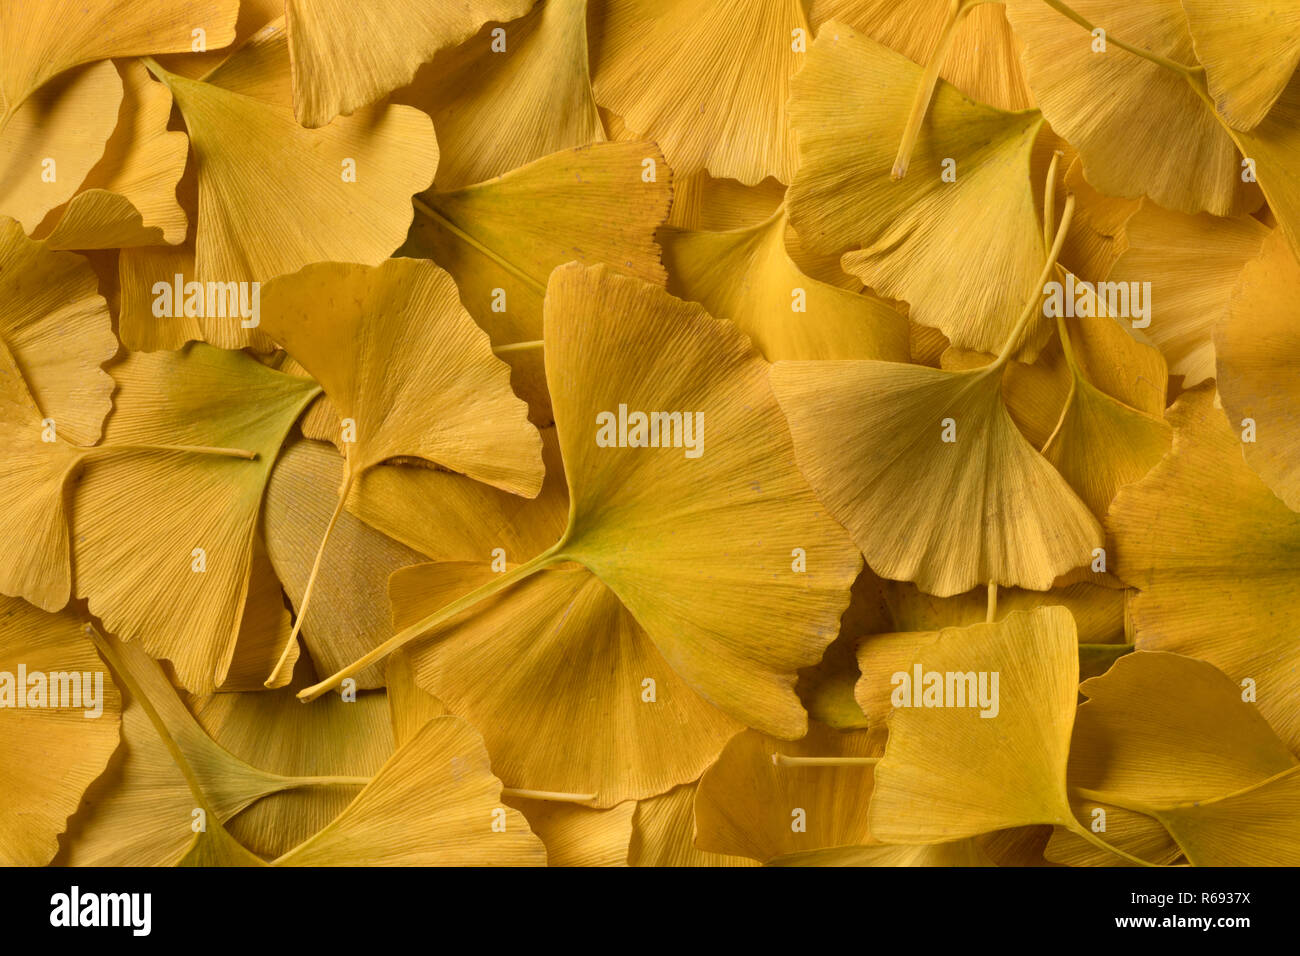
{"x":663,"y":834}
{"x":643,"y":728}
{"x":1099,"y":614}
{"x":1253,"y":827}
{"x":330,"y":751}
{"x":1100,"y":231}
{"x":494,"y":111}
{"x":1100,"y":444}
{"x":1192,"y":263}
{"x":38,"y":41}
{"x":449,"y":517}
{"x":60,"y":717}
{"x":703,"y":203}
{"x":1213,"y":554}
{"x":948,"y":771}
{"x":53,"y":139}
{"x":347,"y":55}
{"x":1106,"y":355}
{"x":33,"y":479}
{"x":1140,"y":126}
{"x":263,"y":630}
{"x":253,"y":16}
{"x":349,"y":608}
{"x":913,"y":229}
{"x":435,"y":802}
{"x":142,"y":812}
{"x":982,"y":507}
{"x":181,"y":591}
{"x":1249,"y":51}
{"x":341,"y":193}
{"x":129,"y":197}
{"x":386,"y":341}
{"x":55,"y":334}
{"x":747,"y":803}
{"x":707,"y":82}
{"x":1258,"y":344}
{"x":1160,"y":730}
{"x":579,"y":836}
{"x":636,"y":526}
{"x":747,"y":275}
{"x":501,"y":239}
{"x":983,"y":62}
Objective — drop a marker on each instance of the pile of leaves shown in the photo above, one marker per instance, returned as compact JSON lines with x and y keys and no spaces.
{"x":652,"y":432}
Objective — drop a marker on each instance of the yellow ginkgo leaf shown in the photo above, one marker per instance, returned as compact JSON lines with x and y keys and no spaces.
{"x":1213,"y":553}
{"x":38,"y":41}
{"x":983,"y":61}
{"x":386,"y":341}
{"x":496,"y":110}
{"x":764,"y":572}
{"x":1258,"y":345}
{"x":1192,"y":263}
{"x":953,"y":770}
{"x":129,"y":197}
{"x":142,"y":813}
{"x":1249,"y":51}
{"x":703,"y":203}
{"x":747,"y":275}
{"x":1253,"y":827}
{"x":1160,"y":730}
{"x":1100,"y":444}
{"x":347,"y":54}
{"x":449,"y":517}
{"x":574,"y":835}
{"x":500,"y":240}
{"x":181,"y":589}
{"x":707,"y":82}
{"x":619,"y":723}
{"x":1100,"y":234}
{"x":253,"y":16}
{"x":579,"y":836}
{"x":937,"y":452}
{"x":340,"y":193}
{"x":61,"y":716}
{"x":663,"y":834}
{"x":329,"y":752}
{"x":750,"y":803}
{"x":348,"y":614}
{"x":33,"y":480}
{"x":54,"y":139}
{"x":1140,"y":126}
{"x":967,"y":200}
{"x":264,"y":629}
{"x":434,"y":803}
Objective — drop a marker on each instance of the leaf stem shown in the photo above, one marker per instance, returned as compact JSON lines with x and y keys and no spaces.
{"x":1067,"y":215}
{"x":925,"y":88}
{"x":785,"y":760}
{"x":992,"y":612}
{"x":552,"y":795}
{"x":98,"y":451}
{"x":348,"y":475}
{"x":518,"y":346}
{"x":1049,"y":199}
{"x":422,"y":627}
{"x":1180,"y":68}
